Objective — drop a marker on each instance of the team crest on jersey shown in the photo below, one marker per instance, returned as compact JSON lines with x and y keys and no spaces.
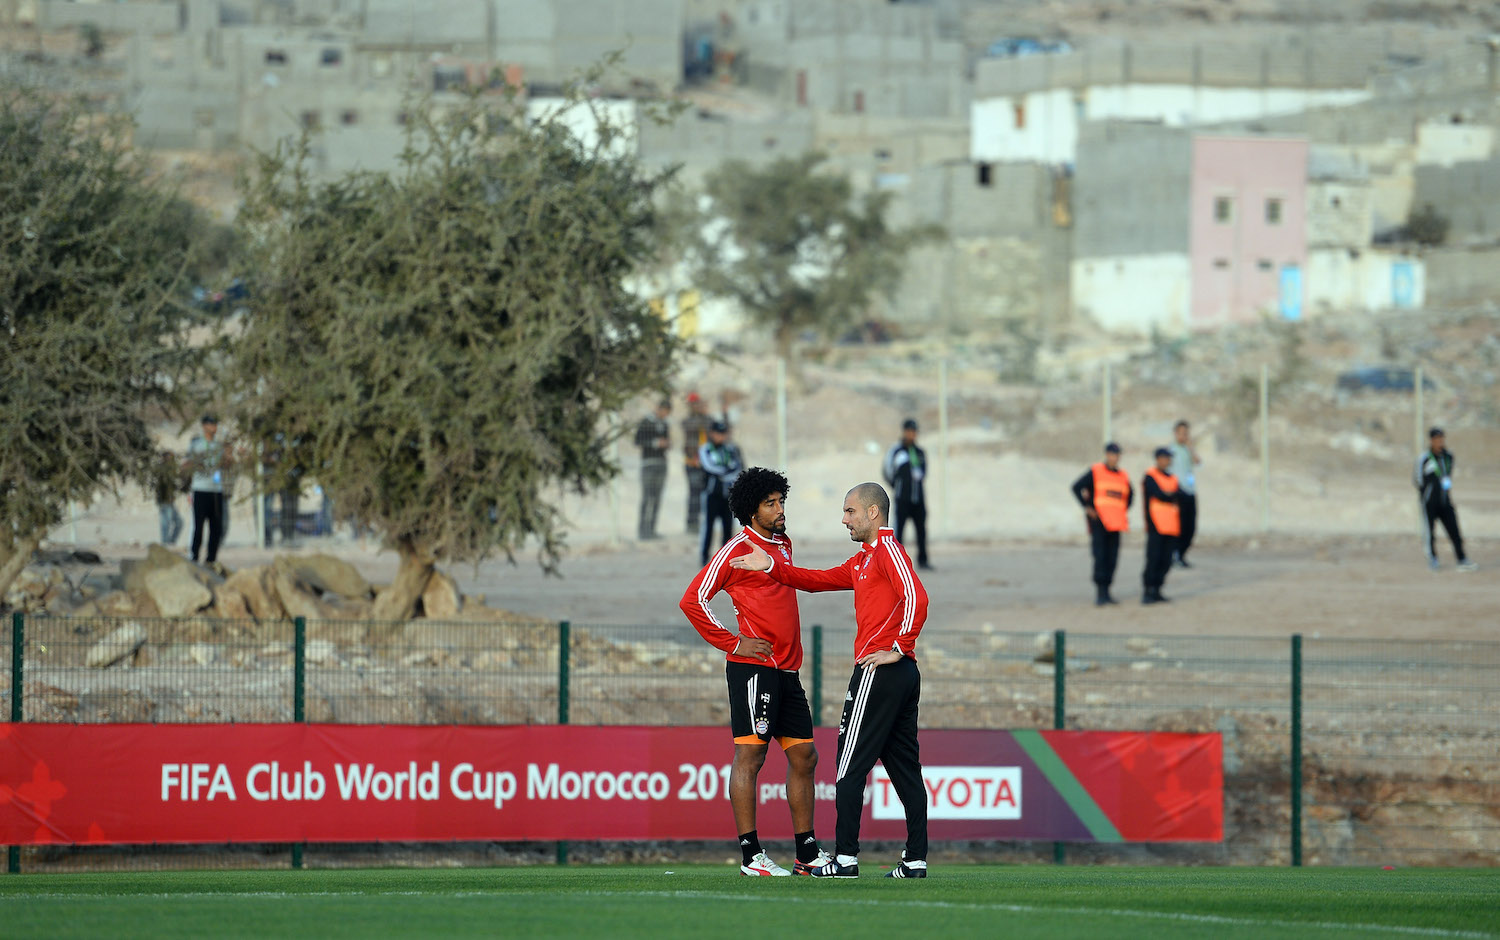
{"x":786,"y":554}
{"x":762,"y":726}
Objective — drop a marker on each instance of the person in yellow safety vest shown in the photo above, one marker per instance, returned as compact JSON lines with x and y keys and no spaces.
{"x":1105,"y":493}
{"x":1163,"y":525}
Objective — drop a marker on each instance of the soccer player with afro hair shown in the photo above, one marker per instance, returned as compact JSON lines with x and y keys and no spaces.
{"x":766,"y":699}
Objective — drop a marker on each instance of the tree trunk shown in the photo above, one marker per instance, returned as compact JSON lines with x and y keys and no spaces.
{"x":11,"y":565}
{"x":399,"y":601}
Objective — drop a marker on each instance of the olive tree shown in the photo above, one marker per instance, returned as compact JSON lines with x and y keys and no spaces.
{"x":95,"y":255}
{"x":443,"y":344}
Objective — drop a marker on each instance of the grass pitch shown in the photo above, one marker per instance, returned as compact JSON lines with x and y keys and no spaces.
{"x":701,"y":901}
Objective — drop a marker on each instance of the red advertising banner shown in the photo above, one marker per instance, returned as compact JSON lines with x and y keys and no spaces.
{"x":367,"y":783}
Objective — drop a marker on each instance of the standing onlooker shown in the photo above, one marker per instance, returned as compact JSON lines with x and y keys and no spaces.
{"x":906,"y":471}
{"x":694,"y":436}
{"x":1434,"y":480}
{"x":721,"y":463}
{"x":166,"y":480}
{"x":1106,"y":495}
{"x":653,"y":436}
{"x":1162,"y":525}
{"x":205,"y":458}
{"x":1184,"y":459}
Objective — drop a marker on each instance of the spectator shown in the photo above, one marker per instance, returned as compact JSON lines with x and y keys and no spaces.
{"x":206,"y":460}
{"x":1434,"y":481}
{"x":906,"y":472}
{"x":721,"y":463}
{"x":694,"y":435}
{"x":653,"y":436}
{"x":1184,"y":459}
{"x":166,"y":481}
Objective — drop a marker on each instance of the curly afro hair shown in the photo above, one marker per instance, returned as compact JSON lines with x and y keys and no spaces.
{"x":751,"y":489}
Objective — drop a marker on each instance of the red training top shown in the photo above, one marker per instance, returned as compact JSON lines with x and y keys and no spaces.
{"x":764,"y":608}
{"x":890,"y":604}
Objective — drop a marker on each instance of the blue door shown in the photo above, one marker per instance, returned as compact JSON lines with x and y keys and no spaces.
{"x":1403,"y":285}
{"x":1291,"y":292}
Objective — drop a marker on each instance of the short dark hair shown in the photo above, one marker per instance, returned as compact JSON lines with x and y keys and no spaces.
{"x":873,"y":494}
{"x":752,"y":488}
{"x":1182,"y":423}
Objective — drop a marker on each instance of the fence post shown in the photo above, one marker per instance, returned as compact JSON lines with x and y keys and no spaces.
{"x":1296,"y":750}
{"x":1059,"y":710}
{"x":1265,"y":448}
{"x":299,"y":698}
{"x":564,"y":650}
{"x":817,"y":675}
{"x":17,"y":710}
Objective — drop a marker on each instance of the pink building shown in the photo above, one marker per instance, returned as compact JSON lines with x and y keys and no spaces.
{"x":1247,"y":231}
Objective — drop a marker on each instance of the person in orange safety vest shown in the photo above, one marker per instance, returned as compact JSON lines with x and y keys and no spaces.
{"x":1163,"y":525}
{"x":1105,"y":493}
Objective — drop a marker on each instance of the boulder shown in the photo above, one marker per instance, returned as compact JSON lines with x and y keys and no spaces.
{"x":440,"y":599}
{"x":116,"y":604}
{"x":328,"y":575}
{"x":202,"y":653}
{"x":176,"y":592}
{"x":117,"y":646}
{"x":231,"y":604}
{"x":322,"y":652}
{"x":297,"y":598}
{"x":253,"y":585}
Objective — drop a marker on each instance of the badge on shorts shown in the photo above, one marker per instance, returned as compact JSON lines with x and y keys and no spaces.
{"x":762,"y":726}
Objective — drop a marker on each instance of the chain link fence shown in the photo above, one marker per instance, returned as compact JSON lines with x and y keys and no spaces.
{"x":1399,"y":742}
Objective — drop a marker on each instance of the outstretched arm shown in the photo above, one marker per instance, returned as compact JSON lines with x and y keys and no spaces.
{"x":803,"y":579}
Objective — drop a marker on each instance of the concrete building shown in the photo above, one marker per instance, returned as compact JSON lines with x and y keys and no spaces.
{"x":1181,"y":230}
{"x":851,"y":57}
{"x":1033,"y":108}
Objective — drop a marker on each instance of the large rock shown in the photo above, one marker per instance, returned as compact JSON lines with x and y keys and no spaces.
{"x":230,"y":604}
{"x":327,"y":574}
{"x":254,"y":586}
{"x":440,"y":599}
{"x":176,"y":591}
{"x":116,"y":604}
{"x":297,"y":598}
{"x":117,"y":646}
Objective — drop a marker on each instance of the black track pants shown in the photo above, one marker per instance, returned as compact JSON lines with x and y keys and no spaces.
{"x":880,"y":723}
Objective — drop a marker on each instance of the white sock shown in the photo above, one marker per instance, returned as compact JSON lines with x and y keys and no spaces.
{"x":919,"y":865}
{"x":848,"y":860}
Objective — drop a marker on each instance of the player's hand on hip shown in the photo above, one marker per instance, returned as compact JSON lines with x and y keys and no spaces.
{"x":757,"y":560}
{"x":753,"y":646}
{"x":881,"y":658}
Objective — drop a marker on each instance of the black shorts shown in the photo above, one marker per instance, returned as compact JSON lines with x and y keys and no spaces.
{"x":766,"y":703}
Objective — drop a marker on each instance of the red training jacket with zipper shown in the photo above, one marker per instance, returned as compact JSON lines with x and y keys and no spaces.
{"x":890,"y":604}
{"x":765,"y":608}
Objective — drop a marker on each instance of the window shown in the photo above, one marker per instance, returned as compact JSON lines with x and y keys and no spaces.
{"x":882,"y":154}
{"x":1264,"y":264}
{"x":984,"y":174}
{"x":1223,"y":208}
{"x":332,"y":56}
{"x":275,"y":57}
{"x":1221,"y":263}
{"x":349,"y":117}
{"x":203,"y":117}
{"x":1020,"y":109}
{"x":311,"y":120}
{"x":1273,"y":211}
{"x":859,"y":102}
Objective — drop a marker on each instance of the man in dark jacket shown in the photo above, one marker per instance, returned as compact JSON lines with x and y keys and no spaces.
{"x":653,"y":436}
{"x":906,"y":472}
{"x":1433,"y":477}
{"x":1163,"y":525}
{"x":721,"y":462}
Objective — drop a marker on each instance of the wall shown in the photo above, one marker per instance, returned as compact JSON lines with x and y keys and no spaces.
{"x":1044,"y":125}
{"x":1131,"y":190}
{"x":1468,"y":194}
{"x":1458,"y":277}
{"x":1340,"y":280}
{"x":1237,"y":263}
{"x":1134,"y":293}
{"x":1446,"y":143}
{"x":1340,"y":213}
{"x":111,"y":17}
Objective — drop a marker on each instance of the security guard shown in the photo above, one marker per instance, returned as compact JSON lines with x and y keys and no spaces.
{"x":1163,"y":525}
{"x":1105,"y":493}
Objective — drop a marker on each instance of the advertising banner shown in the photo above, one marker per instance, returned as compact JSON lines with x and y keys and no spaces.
{"x":122,"y":783}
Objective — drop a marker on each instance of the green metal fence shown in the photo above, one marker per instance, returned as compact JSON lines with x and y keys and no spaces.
{"x":1336,"y":751}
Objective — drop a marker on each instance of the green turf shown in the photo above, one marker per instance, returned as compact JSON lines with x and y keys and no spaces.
{"x":696,"y":901}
